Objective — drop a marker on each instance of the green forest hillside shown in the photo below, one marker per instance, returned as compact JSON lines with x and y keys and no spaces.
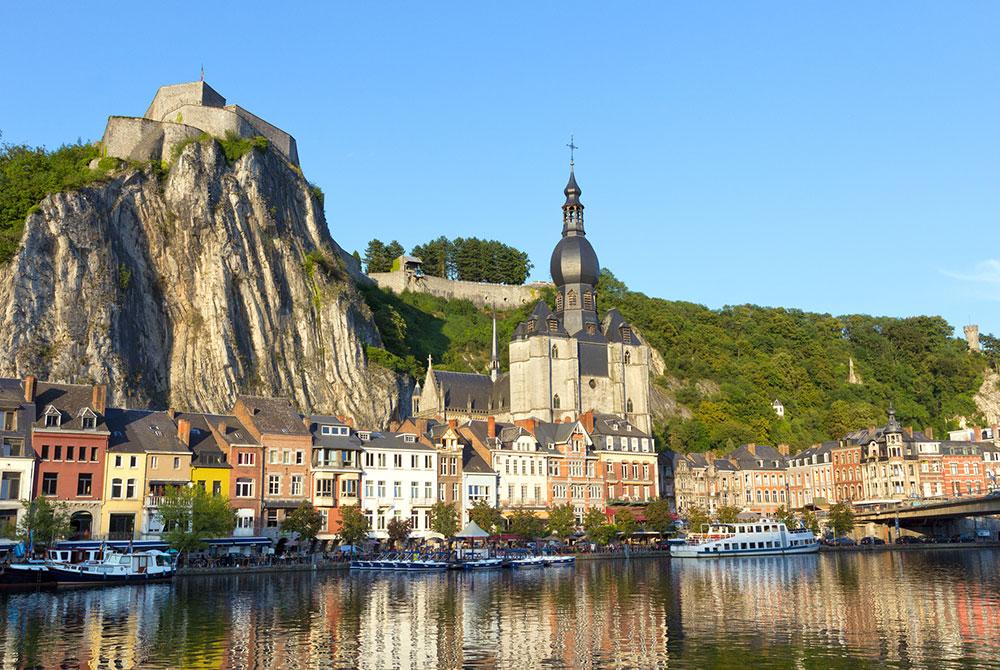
{"x":725,"y":366}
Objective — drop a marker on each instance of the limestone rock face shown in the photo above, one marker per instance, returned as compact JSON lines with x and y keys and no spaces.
{"x":185,"y":289}
{"x":988,"y":397}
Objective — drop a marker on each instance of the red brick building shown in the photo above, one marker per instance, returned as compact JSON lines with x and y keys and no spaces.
{"x":963,"y":470}
{"x":70,"y":440}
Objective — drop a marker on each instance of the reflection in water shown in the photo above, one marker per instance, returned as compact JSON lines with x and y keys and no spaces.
{"x":937,"y":609}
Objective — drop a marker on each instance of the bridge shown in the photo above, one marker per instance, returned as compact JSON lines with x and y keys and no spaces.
{"x":940,"y":516}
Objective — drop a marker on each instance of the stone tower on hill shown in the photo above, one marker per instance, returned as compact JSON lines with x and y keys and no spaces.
{"x":184,"y":111}
{"x":972,"y":337}
{"x":562,"y":363}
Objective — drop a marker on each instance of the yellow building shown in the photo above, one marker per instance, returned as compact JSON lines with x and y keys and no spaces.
{"x":210,"y":469}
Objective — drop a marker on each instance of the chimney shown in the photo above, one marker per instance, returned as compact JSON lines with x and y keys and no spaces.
{"x":977,"y":433}
{"x":587,"y":419}
{"x":783,"y":449}
{"x":30,"y":382}
{"x":99,"y":398}
{"x":184,"y":431}
{"x":491,"y":426}
{"x":929,"y":432}
{"x":527,"y":424}
{"x":221,"y":427}
{"x":909,"y":431}
{"x":453,"y":423}
{"x":752,"y":448}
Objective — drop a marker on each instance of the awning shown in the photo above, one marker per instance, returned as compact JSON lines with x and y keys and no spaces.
{"x":472,"y":531}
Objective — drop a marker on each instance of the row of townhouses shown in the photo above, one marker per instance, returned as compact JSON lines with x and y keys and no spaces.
{"x":112,"y":466}
{"x":870,"y":465}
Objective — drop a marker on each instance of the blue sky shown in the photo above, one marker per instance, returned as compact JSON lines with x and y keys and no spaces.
{"x":835,"y":157}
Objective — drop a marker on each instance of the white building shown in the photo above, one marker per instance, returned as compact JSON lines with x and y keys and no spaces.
{"x":521,"y":463}
{"x":17,"y":458}
{"x":399,"y":480}
{"x":479,"y":482}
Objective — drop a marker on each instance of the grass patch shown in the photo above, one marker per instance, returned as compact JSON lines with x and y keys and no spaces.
{"x":236,"y":147}
{"x":177,"y":149}
{"x":28,"y":174}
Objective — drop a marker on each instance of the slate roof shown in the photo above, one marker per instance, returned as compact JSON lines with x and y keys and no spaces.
{"x":207,"y":450}
{"x":69,"y":399}
{"x":389,"y":440}
{"x":772,"y":458}
{"x":473,"y":463}
{"x":554,"y":433}
{"x":142,"y":431}
{"x":274,"y":416}
{"x":612,"y":327}
{"x":11,"y":393}
{"x":609,"y":424}
{"x":461,"y":387}
{"x":349,"y":442}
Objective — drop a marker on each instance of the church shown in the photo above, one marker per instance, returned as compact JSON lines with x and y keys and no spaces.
{"x":563,"y":363}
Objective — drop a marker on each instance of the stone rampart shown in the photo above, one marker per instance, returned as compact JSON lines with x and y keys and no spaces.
{"x":284,"y":142}
{"x":495,"y":296}
{"x":138,"y":139}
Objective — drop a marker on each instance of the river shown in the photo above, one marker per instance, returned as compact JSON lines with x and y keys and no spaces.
{"x":915,"y":609}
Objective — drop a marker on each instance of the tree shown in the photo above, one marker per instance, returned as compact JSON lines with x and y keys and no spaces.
{"x":841,"y":519}
{"x":435,"y":257}
{"x":304,"y":520}
{"x":727,"y":514}
{"x":810,"y":521}
{"x":43,"y":523}
{"x":696,"y":517}
{"x":625,"y":522}
{"x":398,"y":531}
{"x":604,"y":533}
{"x":444,"y":519}
{"x":190,"y":516}
{"x":353,"y":525}
{"x":658,"y":516}
{"x":377,"y":258}
{"x":485,"y":516}
{"x":526,"y":524}
{"x":562,"y":520}
{"x":786,"y":516}
{"x":592,"y":520}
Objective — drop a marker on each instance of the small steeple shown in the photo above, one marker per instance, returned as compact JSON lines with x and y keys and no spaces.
{"x":572,"y":208}
{"x":430,"y":362}
{"x":495,"y":356}
{"x":893,"y":425}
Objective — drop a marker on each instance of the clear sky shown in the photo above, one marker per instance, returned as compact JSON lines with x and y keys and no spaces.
{"x":836,"y":157}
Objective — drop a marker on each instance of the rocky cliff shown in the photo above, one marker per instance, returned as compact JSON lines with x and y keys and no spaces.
{"x":184,"y":288}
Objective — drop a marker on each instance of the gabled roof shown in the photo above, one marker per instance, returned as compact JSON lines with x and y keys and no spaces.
{"x":11,"y":392}
{"x":142,"y":431}
{"x":747,"y":459}
{"x":612,"y":325}
{"x":351,"y":441}
{"x":69,"y":400}
{"x":389,"y":440}
{"x":461,"y":388}
{"x":473,"y":463}
{"x":610,"y":424}
{"x":273,"y":416}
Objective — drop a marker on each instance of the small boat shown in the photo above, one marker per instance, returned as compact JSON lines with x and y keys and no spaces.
{"x":26,"y":575}
{"x":410,"y":561}
{"x":560,"y":559}
{"x":115,"y":568}
{"x":482,"y":563}
{"x":525,"y":561}
{"x":759,"y":538}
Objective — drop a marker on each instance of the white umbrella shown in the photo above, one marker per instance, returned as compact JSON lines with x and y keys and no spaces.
{"x":472,"y":531}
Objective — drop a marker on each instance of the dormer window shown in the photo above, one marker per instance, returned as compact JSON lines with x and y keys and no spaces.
{"x":326,"y":430}
{"x":559,"y":301}
{"x":53,"y":418}
{"x":364,"y":435}
{"x":591,"y":329}
{"x":409,"y":439}
{"x":588,"y":300}
{"x":571,"y":298}
{"x":531,"y":326}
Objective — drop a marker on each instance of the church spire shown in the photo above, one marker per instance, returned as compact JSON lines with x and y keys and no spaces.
{"x":495,"y":356}
{"x":572,"y":208}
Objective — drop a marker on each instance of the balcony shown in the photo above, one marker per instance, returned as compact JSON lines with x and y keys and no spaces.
{"x":154,"y":501}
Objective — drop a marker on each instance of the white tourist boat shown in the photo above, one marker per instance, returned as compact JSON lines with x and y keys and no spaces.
{"x":115,"y":568}
{"x":759,"y":538}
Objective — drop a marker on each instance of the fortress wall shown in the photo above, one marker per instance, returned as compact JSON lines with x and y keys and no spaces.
{"x":133,"y":138}
{"x":169,"y":99}
{"x":284,"y":142}
{"x":495,"y":296}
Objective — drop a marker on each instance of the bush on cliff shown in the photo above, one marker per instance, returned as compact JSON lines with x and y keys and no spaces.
{"x":28,"y":174}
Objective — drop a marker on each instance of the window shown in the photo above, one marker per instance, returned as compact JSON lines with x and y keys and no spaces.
{"x":69,"y":453}
{"x":555,"y":401}
{"x":52,"y":419}
{"x":324,"y":488}
{"x":273,"y":485}
{"x":244,"y":522}
{"x":244,"y":488}
{"x":10,"y":485}
{"x":154,"y":461}
{"x":538,"y":493}
{"x":555,"y":351}
{"x":628,"y":357}
{"x":272,"y":518}
{"x":118,"y":459}
{"x":296,"y":485}
{"x":49,"y":483}
{"x":273,"y":457}
{"x":381,"y":489}
{"x":58,"y":455}
{"x":45,"y":452}
{"x":414,"y":490}
{"x":441,"y":492}
{"x":93,"y":455}
{"x":130,"y":488}
{"x":9,"y":421}
{"x":369,"y":459}
{"x":428,"y":463}
{"x":414,"y":461}
{"x":428,"y":490}
{"x":397,"y":460}
{"x":243,"y":458}
{"x":349,"y":488}
{"x":571,"y":298}
{"x":414,"y":520}
{"x":286,"y":457}
{"x":84,"y":484}
{"x":116,"y":488}
{"x":454,"y":492}
{"x":645,"y":471}
{"x":299,"y":457}
{"x":381,"y":460}
{"x":397,"y":489}
{"x":89,"y":423}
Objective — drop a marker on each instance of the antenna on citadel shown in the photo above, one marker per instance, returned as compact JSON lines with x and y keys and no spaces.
{"x":202,"y":73}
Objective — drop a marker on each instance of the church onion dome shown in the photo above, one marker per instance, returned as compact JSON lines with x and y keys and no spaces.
{"x":572,"y":191}
{"x":574,"y":261}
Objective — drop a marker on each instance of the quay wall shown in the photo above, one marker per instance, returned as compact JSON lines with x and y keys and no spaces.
{"x":494,"y":296}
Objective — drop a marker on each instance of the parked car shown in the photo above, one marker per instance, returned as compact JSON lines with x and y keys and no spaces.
{"x":964,"y":537}
{"x":872,"y":540}
{"x":843,"y":542}
{"x":907,"y":539}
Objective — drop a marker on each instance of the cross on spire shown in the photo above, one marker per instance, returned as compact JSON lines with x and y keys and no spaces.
{"x":572,"y":149}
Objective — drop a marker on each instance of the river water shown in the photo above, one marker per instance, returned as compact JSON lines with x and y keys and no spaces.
{"x":917,"y":609}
